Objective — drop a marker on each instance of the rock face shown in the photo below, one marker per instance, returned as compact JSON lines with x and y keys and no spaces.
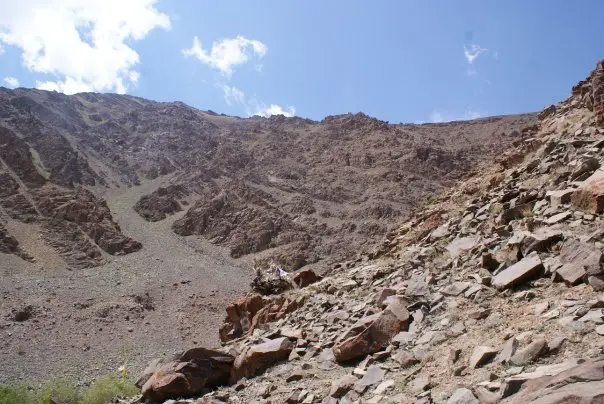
{"x":79,"y":225}
{"x":287,"y":190}
{"x":161,"y":203}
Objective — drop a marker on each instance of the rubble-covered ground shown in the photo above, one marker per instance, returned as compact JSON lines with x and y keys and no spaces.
{"x":493,"y":293}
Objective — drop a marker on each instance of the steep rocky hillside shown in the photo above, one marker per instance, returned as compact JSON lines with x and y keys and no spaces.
{"x":295,"y":191}
{"x":127,"y":225}
{"x":491,"y":293}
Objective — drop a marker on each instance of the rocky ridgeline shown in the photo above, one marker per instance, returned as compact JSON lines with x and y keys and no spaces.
{"x":493,"y":293}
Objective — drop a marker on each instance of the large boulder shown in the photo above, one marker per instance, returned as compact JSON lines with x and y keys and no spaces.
{"x":250,"y":311}
{"x":188,"y":375}
{"x":254,"y":359}
{"x":306,"y":277}
{"x":589,"y":197}
{"x":239,"y":316}
{"x":372,"y":333}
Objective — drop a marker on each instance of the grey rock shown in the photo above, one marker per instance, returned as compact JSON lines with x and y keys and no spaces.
{"x":578,"y":259}
{"x":462,"y":396}
{"x":481,"y":355}
{"x":373,"y":376}
{"x":529,"y":353}
{"x":526,"y":269}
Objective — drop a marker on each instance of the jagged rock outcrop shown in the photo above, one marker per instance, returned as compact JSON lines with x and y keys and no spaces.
{"x":161,"y":203}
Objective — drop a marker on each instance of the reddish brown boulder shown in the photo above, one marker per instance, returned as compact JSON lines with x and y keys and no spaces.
{"x":257,"y":358}
{"x":589,"y":197}
{"x":239,"y":317}
{"x":187,"y":376}
{"x":247,"y":312}
{"x":306,"y":277}
{"x":372,"y":333}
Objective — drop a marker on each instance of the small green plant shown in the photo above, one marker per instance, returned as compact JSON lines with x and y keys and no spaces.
{"x":102,"y":391}
{"x":107,"y":388}
{"x":57,"y":390}
{"x":15,"y":394}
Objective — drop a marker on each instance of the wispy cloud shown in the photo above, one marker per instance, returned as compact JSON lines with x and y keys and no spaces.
{"x":11,"y":82}
{"x":233,"y":96}
{"x":438,"y":116}
{"x":472,"y":52}
{"x":227,"y":53}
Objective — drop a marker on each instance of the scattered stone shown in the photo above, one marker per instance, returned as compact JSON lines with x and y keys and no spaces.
{"x":340,"y":387}
{"x":462,"y":396}
{"x":306,"y":277}
{"x":560,"y":197}
{"x":526,"y":269}
{"x":420,"y":384}
{"x":578,"y":259}
{"x":455,"y":289}
{"x":255,"y":359}
{"x":481,"y":355}
{"x":372,"y":333}
{"x":417,"y":287}
{"x":405,"y":358}
{"x":582,"y":383}
{"x":373,"y":376}
{"x":529,"y":353}
{"x":558,"y":218}
{"x":508,"y":350}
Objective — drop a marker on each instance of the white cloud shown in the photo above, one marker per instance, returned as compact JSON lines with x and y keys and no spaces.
{"x":273,"y":109}
{"x":233,"y":95}
{"x":85,"y":44}
{"x":438,"y":116}
{"x":472,"y":52}
{"x":227,"y":53}
{"x":11,"y":82}
{"x":1,"y":48}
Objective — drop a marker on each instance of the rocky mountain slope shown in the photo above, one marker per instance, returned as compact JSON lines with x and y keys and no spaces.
{"x":491,"y":293}
{"x":127,"y":225}
{"x":295,"y":191}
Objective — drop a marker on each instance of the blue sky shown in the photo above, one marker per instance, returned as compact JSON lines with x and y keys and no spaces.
{"x":400,"y":61}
